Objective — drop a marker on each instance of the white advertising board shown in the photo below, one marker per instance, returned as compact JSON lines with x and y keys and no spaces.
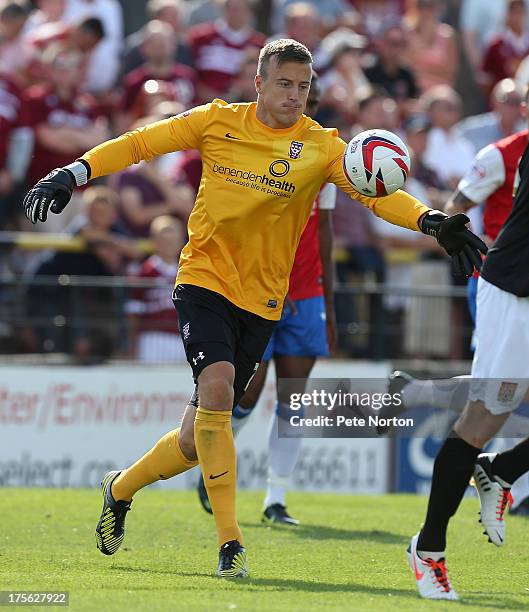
{"x":66,"y":426}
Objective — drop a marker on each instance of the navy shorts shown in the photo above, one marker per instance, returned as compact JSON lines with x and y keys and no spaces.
{"x":213,"y":329}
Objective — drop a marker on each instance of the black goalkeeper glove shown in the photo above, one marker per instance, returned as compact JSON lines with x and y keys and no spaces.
{"x":52,"y":192}
{"x":461,"y":244}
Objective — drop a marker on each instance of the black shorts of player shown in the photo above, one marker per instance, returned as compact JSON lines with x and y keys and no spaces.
{"x":213,"y":329}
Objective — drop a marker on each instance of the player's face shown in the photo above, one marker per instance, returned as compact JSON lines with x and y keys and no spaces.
{"x":282,"y":93}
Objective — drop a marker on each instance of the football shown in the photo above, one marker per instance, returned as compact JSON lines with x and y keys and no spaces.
{"x":376,"y":162}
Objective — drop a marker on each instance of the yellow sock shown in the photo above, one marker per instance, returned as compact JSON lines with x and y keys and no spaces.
{"x":164,"y":460}
{"x":216,"y":455}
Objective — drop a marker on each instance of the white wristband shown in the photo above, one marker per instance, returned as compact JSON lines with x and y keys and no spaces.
{"x":80,"y":172}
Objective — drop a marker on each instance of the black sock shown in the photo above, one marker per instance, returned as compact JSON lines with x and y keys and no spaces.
{"x":452,"y":470}
{"x":511,"y":464}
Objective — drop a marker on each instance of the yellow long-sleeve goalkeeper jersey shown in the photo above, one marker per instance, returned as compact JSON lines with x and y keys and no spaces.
{"x":257,"y":190}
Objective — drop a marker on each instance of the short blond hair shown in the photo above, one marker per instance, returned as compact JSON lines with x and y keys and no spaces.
{"x":154,"y":7}
{"x":285,"y":50}
{"x":163,"y":222}
{"x":100,"y":192}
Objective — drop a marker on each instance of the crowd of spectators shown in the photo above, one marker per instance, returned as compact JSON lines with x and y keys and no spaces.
{"x":71,"y":78}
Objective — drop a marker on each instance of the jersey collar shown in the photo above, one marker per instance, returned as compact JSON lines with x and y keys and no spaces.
{"x":265,"y":128}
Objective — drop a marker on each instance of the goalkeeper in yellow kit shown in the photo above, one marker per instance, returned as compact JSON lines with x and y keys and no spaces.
{"x":263,"y":165}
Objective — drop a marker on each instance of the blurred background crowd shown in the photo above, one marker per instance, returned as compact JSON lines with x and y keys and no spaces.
{"x":448,"y":75}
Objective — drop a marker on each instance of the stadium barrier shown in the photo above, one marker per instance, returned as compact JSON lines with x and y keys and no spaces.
{"x":416,"y":313}
{"x":36,"y":241}
{"x":66,"y":426}
{"x":45,"y":316}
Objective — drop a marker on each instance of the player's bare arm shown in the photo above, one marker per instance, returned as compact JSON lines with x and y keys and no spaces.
{"x":458,"y":203}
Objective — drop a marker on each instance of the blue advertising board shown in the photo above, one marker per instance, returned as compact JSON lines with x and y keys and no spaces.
{"x":415,"y":453}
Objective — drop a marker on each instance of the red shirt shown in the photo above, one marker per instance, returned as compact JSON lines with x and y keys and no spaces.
{"x":10,"y":113}
{"x":188,"y":169}
{"x":44,"y":106}
{"x":217,"y":53}
{"x":306,"y":277}
{"x":502,"y":57}
{"x":499,"y":204}
{"x":181,"y":78}
{"x":154,"y":304}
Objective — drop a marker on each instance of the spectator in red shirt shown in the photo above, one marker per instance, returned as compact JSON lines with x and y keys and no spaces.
{"x":103,"y":64}
{"x":147,"y":192}
{"x":15,"y":53}
{"x":243,"y":86}
{"x":10,"y":105}
{"x":376,"y":14}
{"x":505,"y":52}
{"x":153,"y":324}
{"x":84,"y":37}
{"x":151,"y":95}
{"x":218,"y":48}
{"x":93,"y":312}
{"x":158,"y":48}
{"x":170,"y":12}
{"x":65,"y":122}
{"x":47,"y":11}
{"x":390,"y":70}
{"x":303,"y":23}
{"x":188,"y":170}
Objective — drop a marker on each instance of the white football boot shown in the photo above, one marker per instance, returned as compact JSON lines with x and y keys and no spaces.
{"x":493,"y":498}
{"x":431,"y":576}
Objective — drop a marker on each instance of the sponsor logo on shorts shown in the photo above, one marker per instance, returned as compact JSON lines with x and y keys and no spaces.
{"x":198,"y":357}
{"x":186,"y":331}
{"x":506,"y":392}
{"x":252,"y":375}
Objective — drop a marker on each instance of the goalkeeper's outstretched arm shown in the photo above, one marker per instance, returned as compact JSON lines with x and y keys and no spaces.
{"x":400,"y":208}
{"x":54,"y":191}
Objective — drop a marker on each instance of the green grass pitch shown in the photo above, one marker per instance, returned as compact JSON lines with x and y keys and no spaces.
{"x":349,"y":554}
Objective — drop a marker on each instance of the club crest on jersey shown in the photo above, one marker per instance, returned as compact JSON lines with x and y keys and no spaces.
{"x":295,"y":149}
{"x":506,"y":392}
